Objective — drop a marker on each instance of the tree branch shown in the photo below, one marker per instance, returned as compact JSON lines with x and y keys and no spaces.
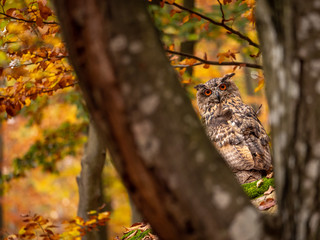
{"x":42,"y":90}
{"x":25,"y":20}
{"x":222,"y":12}
{"x":203,"y":61}
{"x":221,"y":24}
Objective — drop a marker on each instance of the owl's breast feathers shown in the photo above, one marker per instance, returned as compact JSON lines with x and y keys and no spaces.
{"x":239,"y":136}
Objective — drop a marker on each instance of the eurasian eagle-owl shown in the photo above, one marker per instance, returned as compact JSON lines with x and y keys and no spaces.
{"x":234,"y":128}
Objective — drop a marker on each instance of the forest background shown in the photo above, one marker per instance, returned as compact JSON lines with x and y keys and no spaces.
{"x":44,"y":121}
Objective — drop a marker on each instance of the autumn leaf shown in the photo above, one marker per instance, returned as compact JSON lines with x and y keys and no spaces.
{"x":195,"y":16}
{"x":229,"y":54}
{"x":250,"y":3}
{"x":190,"y":61}
{"x":206,"y":65}
{"x":45,"y":11}
{"x":269,"y":191}
{"x":266,"y":204}
{"x":10,"y":11}
{"x":249,"y":15}
{"x":260,"y":84}
{"x":185,"y":19}
{"x":227,"y":1}
{"x":205,"y":26}
{"x":182,"y":71}
{"x":187,"y":81}
{"x":174,"y":11}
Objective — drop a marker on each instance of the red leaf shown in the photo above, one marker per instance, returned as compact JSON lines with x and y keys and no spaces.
{"x":45,"y":12}
{"x":10,"y":11}
{"x":195,"y":16}
{"x":266,"y":204}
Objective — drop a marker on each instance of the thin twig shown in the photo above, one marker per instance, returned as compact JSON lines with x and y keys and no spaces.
{"x":25,"y":20}
{"x":221,"y":24}
{"x":203,"y":61}
{"x":222,"y":12}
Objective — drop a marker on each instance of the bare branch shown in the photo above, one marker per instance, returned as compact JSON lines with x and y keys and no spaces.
{"x":221,"y":24}
{"x":203,"y":61}
{"x":222,"y":12}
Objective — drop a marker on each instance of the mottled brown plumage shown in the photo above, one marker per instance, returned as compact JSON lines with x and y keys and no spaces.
{"x":234,"y":128}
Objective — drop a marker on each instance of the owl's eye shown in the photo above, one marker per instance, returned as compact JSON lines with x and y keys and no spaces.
{"x":207,"y":92}
{"x":223,"y":87}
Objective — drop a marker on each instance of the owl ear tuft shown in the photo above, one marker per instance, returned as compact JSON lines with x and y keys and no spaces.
{"x":199,"y":86}
{"x":227,"y":76}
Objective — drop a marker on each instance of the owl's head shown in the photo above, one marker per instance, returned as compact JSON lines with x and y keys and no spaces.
{"x":216,"y":91}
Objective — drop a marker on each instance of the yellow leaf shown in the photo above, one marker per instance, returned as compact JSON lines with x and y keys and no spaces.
{"x":260,"y":85}
{"x":27,"y":101}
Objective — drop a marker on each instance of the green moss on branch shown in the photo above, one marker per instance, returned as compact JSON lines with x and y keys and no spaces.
{"x":253,"y":191}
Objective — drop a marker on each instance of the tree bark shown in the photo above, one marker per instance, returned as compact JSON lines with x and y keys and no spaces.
{"x":289,"y":32}
{"x":175,"y":176}
{"x":90,"y":180}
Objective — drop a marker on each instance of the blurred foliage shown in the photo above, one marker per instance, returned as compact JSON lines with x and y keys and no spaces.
{"x":55,"y":145}
{"x":39,"y":227}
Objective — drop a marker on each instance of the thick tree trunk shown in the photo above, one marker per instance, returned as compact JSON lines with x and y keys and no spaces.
{"x":290,"y":33}
{"x":175,"y":177}
{"x":90,"y":180}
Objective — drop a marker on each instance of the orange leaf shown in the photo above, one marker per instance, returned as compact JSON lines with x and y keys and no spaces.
{"x":173,"y":12}
{"x":171,"y":47}
{"x":171,"y":1}
{"x":186,"y":81}
{"x":249,"y":15}
{"x":206,"y":66}
{"x":190,"y":61}
{"x":195,"y":16}
{"x":228,"y":54}
{"x":185,"y":19}
{"x":260,"y":85}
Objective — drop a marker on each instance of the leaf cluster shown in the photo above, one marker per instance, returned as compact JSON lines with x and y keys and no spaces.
{"x":33,"y":57}
{"x":39,"y":227}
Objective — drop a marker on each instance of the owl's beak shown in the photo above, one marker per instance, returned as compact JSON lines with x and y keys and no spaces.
{"x":217,"y":98}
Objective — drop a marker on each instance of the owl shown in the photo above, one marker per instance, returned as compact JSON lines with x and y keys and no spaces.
{"x":234,"y":129}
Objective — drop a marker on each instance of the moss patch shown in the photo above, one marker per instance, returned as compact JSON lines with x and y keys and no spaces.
{"x":251,"y":188}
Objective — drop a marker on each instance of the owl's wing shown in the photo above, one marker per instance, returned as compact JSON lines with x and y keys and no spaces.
{"x":256,"y":138}
{"x":230,"y":143}
{"x":237,"y":156}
